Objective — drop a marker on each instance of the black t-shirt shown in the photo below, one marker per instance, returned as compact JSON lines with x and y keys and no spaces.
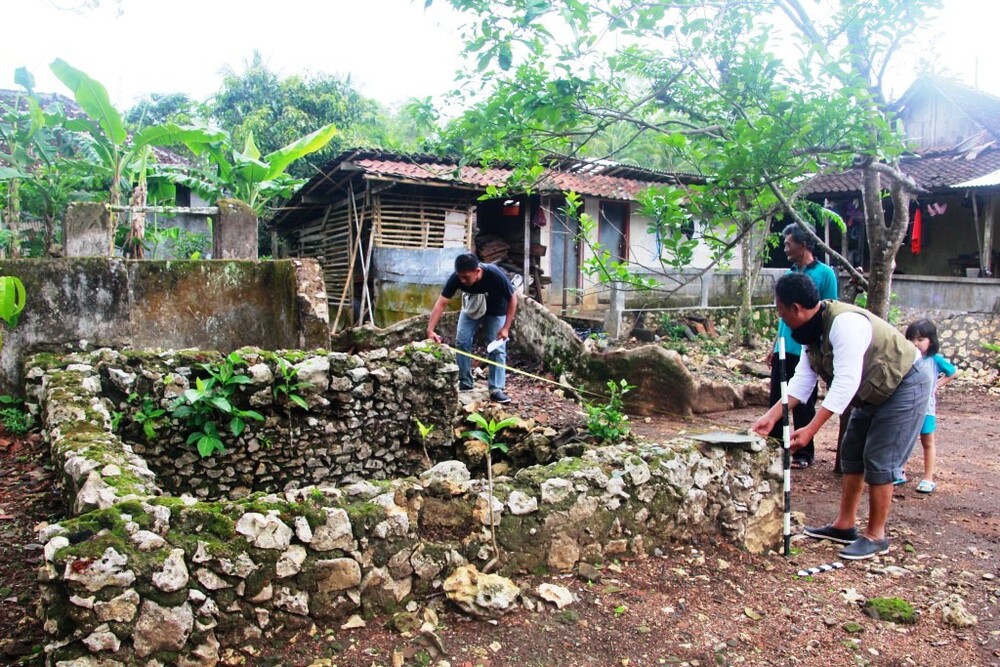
{"x":494,"y":284}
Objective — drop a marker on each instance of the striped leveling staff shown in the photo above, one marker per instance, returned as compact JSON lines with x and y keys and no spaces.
{"x":825,"y":567}
{"x":786,"y":437}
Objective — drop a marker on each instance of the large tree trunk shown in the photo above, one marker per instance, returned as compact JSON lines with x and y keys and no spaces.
{"x":883,"y":240}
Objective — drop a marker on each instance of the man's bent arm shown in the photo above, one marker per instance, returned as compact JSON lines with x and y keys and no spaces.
{"x":511,"y":310}
{"x":435,"y":317}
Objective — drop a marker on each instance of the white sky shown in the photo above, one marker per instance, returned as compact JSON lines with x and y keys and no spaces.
{"x":392,"y":49}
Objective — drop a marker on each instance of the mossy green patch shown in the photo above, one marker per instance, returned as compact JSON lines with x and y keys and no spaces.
{"x":896,"y":610}
{"x":364,"y":517}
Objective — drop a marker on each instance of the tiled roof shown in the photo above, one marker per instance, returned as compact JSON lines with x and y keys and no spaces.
{"x":597,"y":185}
{"x":935,"y":173}
{"x":597,"y":178}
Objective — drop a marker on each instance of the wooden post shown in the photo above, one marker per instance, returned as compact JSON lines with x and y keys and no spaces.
{"x":526,"y":270}
{"x":986,"y":256}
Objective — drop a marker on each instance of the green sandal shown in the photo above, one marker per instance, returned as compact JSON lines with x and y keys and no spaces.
{"x":926,"y":486}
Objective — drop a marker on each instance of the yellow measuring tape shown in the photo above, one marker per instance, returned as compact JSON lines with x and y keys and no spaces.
{"x":561,"y":385}
{"x":664,"y":413}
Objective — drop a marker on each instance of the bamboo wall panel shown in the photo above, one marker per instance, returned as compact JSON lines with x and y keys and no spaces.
{"x":421,"y":221}
{"x":330,"y":244}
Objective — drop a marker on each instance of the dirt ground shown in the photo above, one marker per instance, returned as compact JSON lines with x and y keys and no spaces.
{"x":697,"y":605}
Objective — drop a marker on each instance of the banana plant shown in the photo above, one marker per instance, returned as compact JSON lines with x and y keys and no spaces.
{"x":12,"y":298}
{"x":253,"y":178}
{"x":122,"y":159}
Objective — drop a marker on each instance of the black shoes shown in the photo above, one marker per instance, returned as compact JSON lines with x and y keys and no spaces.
{"x":497,"y":396}
{"x":828,"y":532}
{"x":865,"y":547}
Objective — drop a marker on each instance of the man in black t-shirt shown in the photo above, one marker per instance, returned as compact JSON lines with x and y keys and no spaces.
{"x":472,"y":277}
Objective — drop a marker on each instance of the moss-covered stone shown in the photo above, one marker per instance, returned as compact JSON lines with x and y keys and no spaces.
{"x":896,"y":610}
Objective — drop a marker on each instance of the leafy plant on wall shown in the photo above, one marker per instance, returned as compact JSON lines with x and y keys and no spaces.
{"x":211,"y":403}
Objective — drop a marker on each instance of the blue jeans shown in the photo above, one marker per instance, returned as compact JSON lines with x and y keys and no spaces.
{"x":467,"y":328}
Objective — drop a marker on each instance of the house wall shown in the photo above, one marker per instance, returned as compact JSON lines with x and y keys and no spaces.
{"x":408,"y":282}
{"x":932,"y":121}
{"x":946,"y":237}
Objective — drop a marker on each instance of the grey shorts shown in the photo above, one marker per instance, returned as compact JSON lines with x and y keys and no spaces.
{"x":879,"y":438}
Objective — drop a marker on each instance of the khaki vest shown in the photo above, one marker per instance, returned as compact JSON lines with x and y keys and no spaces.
{"x":888,"y":358}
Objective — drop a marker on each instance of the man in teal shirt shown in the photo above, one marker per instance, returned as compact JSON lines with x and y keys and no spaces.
{"x":799,"y":247}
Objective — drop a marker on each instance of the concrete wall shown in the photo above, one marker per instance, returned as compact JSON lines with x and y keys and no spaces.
{"x":107,"y":302}
{"x":972,"y":295}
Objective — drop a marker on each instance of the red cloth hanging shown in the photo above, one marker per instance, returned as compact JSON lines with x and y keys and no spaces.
{"x":918,"y":233}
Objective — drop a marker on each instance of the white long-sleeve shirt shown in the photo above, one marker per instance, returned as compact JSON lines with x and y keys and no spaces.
{"x":850,"y":336}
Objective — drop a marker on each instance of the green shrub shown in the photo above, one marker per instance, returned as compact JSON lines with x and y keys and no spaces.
{"x":608,"y":422}
{"x":13,"y":417}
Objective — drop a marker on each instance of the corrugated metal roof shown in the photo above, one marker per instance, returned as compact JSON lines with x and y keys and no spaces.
{"x":952,"y":171}
{"x":990,"y":179}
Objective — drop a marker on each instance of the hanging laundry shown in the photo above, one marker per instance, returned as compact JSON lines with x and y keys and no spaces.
{"x":936,"y":208}
{"x":918,"y":233}
{"x":539,"y":220}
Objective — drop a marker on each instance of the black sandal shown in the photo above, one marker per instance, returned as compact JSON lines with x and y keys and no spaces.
{"x":801,"y":464}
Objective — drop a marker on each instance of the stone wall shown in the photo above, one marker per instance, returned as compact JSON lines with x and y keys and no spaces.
{"x":135,"y":576}
{"x":360,"y":423}
{"x":962,"y":336}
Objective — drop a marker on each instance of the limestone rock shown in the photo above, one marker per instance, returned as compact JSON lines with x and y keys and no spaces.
{"x":294,"y":602}
{"x":290,"y":562}
{"x":337,"y":574}
{"x":954,"y":613}
{"x":264,"y":532}
{"x":481,"y":511}
{"x":558,"y":595}
{"x":447,"y":477}
{"x":162,"y":628}
{"x":556,"y":490}
{"x":102,"y":639}
{"x":563,"y":553}
{"x":89,"y":661}
{"x":121,"y":609}
{"x":108,"y":570}
{"x":95,"y":494}
{"x":146,"y":540}
{"x":205,"y":654}
{"x":521,"y":503}
{"x":174,"y":574}
{"x":314,"y":374}
{"x":335,"y":533}
{"x":481,"y":595}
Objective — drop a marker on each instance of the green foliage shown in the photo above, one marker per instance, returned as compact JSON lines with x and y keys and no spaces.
{"x":12,"y":298}
{"x":672,"y":331}
{"x":13,"y":416}
{"x":489,"y":430}
{"x":894,"y":314}
{"x":148,"y":414}
{"x":258,"y":106}
{"x":994,"y":348}
{"x":211,"y":402}
{"x":487,"y":433}
{"x":287,"y":386}
{"x":701,"y":88}
{"x":608,"y":422}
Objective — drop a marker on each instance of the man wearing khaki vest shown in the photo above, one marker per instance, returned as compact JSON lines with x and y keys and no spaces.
{"x":868,"y":364}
